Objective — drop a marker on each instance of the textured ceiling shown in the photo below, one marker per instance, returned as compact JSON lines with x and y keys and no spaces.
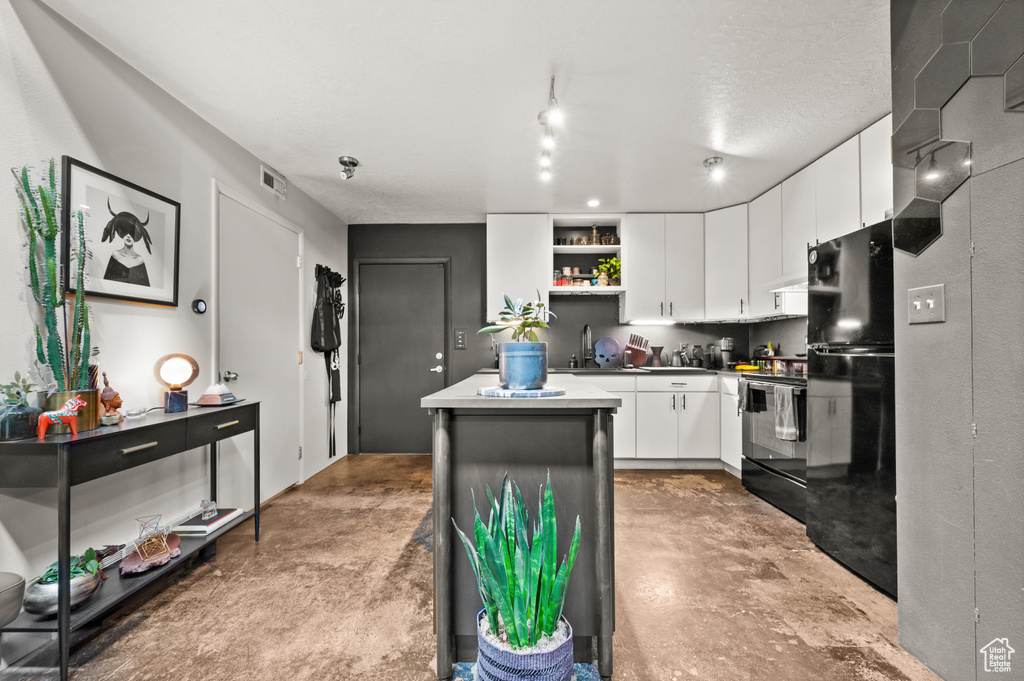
{"x":439,"y":100}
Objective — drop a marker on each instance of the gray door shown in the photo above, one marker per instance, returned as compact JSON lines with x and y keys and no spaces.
{"x":401,"y":354}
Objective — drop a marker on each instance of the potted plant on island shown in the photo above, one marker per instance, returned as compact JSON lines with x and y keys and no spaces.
{"x":521,"y":633}
{"x":63,"y":363}
{"x":612,"y":268}
{"x":523,"y":364}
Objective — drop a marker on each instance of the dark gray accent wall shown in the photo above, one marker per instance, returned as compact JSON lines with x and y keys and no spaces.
{"x":960,"y":505}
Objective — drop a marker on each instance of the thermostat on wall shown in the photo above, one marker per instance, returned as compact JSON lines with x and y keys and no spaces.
{"x":273,"y":181}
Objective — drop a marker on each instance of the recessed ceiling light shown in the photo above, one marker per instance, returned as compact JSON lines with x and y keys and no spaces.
{"x":593,"y":203}
{"x":714,"y":167}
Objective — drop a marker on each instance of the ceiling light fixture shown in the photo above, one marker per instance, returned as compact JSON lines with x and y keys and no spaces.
{"x":714,"y":167}
{"x":549,"y":140}
{"x":550,"y":118}
{"x":545,"y":174}
{"x":545,"y":160}
{"x":348,"y":166}
{"x":593,"y":203}
{"x":933,"y":170}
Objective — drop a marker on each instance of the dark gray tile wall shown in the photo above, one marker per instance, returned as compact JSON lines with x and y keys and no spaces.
{"x":961,"y":511}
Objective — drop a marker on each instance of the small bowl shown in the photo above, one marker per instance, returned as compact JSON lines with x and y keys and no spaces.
{"x":12,"y":590}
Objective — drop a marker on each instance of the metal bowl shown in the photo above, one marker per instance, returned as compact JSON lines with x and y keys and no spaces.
{"x":41,"y":599}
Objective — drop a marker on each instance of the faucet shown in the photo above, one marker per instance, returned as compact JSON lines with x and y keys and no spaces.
{"x":588,"y":346}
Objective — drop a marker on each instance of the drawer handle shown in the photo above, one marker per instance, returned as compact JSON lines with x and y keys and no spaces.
{"x":227,"y":425}
{"x":678,"y":384}
{"x":139,"y":448}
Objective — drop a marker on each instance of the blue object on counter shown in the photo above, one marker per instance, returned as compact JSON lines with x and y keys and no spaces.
{"x":522,"y":366}
{"x":498,"y":391}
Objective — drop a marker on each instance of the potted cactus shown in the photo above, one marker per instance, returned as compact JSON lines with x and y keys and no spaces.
{"x":521,"y":633}
{"x":62,"y":361}
{"x":523,"y":364}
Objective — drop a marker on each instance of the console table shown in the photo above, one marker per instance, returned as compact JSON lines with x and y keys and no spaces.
{"x":63,"y":461}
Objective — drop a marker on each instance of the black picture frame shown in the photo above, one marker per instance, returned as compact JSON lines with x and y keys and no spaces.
{"x":144,"y":269}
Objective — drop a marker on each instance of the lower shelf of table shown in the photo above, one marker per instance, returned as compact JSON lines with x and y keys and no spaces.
{"x":117,"y":589}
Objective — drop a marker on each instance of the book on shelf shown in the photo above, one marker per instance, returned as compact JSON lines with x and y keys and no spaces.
{"x":196,"y":525}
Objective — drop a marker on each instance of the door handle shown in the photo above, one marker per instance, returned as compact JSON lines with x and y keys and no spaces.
{"x":230,"y":376}
{"x":438,"y":369}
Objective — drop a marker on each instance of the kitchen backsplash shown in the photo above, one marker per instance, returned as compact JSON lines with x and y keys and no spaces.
{"x":564,"y":338}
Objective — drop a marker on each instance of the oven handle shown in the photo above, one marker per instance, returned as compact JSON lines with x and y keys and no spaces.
{"x":799,"y":390}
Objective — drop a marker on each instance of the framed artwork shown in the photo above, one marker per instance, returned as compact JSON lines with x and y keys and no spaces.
{"x":131,"y":233}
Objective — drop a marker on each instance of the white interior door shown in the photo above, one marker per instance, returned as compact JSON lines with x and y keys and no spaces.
{"x":260,"y":339}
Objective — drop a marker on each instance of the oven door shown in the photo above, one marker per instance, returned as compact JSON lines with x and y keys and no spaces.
{"x":760,"y":443}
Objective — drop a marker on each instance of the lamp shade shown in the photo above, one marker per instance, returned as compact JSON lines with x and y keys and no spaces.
{"x":177,"y":370}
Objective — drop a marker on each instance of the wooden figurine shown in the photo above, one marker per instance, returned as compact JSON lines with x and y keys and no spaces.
{"x":110,"y":402}
{"x":67,"y":414}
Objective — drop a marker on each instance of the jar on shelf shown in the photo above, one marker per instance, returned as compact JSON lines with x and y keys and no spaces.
{"x":595,"y":238}
{"x":18,"y":421}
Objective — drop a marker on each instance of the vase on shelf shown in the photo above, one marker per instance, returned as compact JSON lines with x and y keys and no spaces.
{"x":18,"y":421}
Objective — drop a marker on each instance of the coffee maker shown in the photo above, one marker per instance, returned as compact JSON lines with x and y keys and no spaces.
{"x":722,"y":350}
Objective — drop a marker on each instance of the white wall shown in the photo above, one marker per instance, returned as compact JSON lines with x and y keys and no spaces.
{"x":63,"y":93}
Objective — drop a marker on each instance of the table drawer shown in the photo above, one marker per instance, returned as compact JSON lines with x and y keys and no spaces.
{"x":217,"y":425}
{"x":678,"y":383}
{"x":107,"y":455}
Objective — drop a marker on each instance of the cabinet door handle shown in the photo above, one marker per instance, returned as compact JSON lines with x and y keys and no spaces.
{"x":684,"y":401}
{"x":741,"y":306}
{"x":673,"y":403}
{"x":138,"y":448}
{"x":670,"y":308}
{"x":663,"y":309}
{"x":776,"y":301}
{"x":227,"y":425}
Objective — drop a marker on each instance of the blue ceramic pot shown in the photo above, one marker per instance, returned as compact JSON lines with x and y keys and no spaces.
{"x":522,"y":366}
{"x":495,"y":664}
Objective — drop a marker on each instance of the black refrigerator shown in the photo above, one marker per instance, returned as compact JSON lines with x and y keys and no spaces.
{"x":851,"y":403}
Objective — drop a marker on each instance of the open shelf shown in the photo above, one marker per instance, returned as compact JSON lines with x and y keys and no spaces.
{"x":585,"y":290}
{"x":588,"y":249}
{"x":117,"y":589}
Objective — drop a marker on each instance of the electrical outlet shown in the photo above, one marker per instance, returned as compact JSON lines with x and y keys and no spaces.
{"x":926,"y":304}
{"x":460,"y":339}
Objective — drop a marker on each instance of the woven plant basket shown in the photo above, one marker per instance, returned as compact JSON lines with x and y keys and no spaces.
{"x":495,"y":664}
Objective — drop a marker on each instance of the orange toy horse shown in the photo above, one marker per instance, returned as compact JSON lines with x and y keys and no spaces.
{"x":67,"y":414}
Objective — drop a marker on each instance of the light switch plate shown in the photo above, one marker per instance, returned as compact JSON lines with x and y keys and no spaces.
{"x":926,"y":304}
{"x":460,"y":339}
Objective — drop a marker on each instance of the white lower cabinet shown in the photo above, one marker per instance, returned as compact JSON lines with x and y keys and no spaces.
{"x":624,"y":439}
{"x":698,"y":425}
{"x":657,"y":426}
{"x":731,"y":422}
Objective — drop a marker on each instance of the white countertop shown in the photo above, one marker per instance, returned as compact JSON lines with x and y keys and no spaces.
{"x":579,"y":394}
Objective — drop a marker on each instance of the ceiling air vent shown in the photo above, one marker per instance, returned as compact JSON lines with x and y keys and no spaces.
{"x":273,"y":181}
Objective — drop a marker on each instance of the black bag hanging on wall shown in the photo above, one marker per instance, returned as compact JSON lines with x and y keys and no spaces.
{"x":325,"y":335}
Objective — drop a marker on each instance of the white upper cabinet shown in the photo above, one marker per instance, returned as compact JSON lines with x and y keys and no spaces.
{"x":798,"y":222}
{"x":764,"y":250}
{"x":837,"y":191}
{"x":684,"y":266}
{"x":876,"y":171}
{"x":643,"y":266}
{"x":518,"y":259}
{"x":725,"y":253}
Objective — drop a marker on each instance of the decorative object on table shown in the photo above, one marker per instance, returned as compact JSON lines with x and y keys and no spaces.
{"x":67,"y":415}
{"x":325,"y":337}
{"x":12,"y":591}
{"x":132,"y":233}
{"x":18,"y":419}
{"x":41,"y":595}
{"x":522,"y":365}
{"x":656,"y":355}
{"x":207,"y":509}
{"x":62,"y":361}
{"x":520,"y":630}
{"x":176,"y":371}
{"x":197,"y":525}
{"x":153,"y":548}
{"x":602,"y":279}
{"x":216,"y":395}
{"x":638,"y":347}
{"x":612,"y":267}
{"x":110,"y":402}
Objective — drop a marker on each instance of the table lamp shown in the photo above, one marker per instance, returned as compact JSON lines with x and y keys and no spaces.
{"x":177,"y":371}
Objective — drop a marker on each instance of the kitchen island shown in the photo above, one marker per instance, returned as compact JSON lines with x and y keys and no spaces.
{"x":476,"y":441}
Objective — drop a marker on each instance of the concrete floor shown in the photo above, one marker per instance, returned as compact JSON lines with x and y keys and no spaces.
{"x":712,"y":583}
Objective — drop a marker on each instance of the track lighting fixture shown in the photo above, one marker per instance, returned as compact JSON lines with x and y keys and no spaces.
{"x":714,"y":167}
{"x":348,"y":166}
{"x":551,"y":118}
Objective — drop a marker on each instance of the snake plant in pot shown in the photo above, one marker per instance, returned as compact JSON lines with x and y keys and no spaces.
{"x":62,"y":362}
{"x":520,"y":630}
{"x":523,"y":364}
